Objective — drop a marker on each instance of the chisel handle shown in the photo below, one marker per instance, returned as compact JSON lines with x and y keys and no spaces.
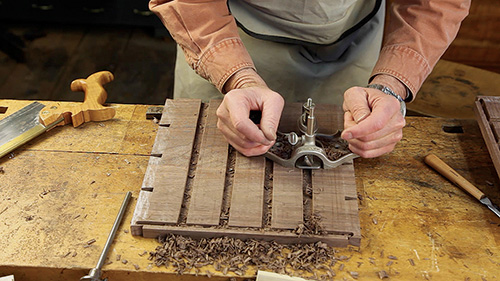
{"x":445,"y":170}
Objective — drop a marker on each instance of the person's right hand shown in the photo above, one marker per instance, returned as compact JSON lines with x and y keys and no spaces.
{"x":235,"y":124}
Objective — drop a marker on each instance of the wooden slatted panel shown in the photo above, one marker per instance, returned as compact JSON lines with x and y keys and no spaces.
{"x":335,"y":199}
{"x":208,"y":185}
{"x":486,"y":106}
{"x":495,"y":128}
{"x":287,"y":205}
{"x":491,"y":107}
{"x":248,"y":191}
{"x":176,"y":145}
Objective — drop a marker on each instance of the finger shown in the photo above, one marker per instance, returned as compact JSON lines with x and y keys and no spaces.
{"x":372,"y":153}
{"x":271,"y":115}
{"x":388,"y":140}
{"x":236,"y":139}
{"x":247,"y":148}
{"x":394,"y":126}
{"x":238,"y":121}
{"x":381,"y":114}
{"x":356,"y":102}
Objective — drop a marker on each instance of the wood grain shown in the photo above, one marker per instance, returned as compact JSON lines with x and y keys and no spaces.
{"x":208,"y":185}
{"x":237,"y":195}
{"x":287,"y":209}
{"x":487,"y":109}
{"x":167,"y":175}
{"x":247,"y":201}
{"x":335,"y":199}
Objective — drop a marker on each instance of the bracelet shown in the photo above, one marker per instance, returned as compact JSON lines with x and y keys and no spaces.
{"x":388,"y":91}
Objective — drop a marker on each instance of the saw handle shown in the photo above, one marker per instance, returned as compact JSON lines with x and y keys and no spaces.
{"x":92,"y":108}
{"x":445,"y":170}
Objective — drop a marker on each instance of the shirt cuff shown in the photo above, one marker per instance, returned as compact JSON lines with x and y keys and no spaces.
{"x":222,"y":60}
{"x":404,"y":64}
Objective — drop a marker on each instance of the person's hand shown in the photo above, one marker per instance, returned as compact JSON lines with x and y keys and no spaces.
{"x":234,"y":122}
{"x":373,"y":123}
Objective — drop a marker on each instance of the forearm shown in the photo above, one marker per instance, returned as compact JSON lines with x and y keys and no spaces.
{"x":207,"y":33}
{"x":417,"y":35}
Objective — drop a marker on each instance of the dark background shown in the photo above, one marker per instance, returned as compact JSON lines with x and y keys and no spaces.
{"x":46,"y":44}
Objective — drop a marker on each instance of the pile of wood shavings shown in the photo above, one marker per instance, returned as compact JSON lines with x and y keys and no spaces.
{"x":227,"y":254}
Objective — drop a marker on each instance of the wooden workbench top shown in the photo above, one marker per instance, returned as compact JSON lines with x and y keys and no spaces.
{"x":65,"y":188}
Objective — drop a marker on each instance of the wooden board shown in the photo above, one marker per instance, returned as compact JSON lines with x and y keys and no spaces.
{"x":487,"y":110}
{"x":197,"y":185}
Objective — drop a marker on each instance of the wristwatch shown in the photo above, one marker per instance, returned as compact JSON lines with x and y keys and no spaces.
{"x":388,"y":91}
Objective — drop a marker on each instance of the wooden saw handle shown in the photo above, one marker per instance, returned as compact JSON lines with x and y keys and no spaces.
{"x":445,"y":170}
{"x":91,"y":109}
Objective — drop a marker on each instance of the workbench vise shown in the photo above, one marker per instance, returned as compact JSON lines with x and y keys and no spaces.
{"x":310,"y":150}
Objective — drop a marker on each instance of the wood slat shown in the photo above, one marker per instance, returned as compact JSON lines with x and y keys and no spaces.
{"x":486,"y":129}
{"x":335,"y":200}
{"x":335,"y":240}
{"x":175,"y":144}
{"x":248,"y":191}
{"x":256,"y":203}
{"x":491,"y":108}
{"x":208,"y":185}
{"x":287,"y":205}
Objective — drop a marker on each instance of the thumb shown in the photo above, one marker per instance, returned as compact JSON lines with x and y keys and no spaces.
{"x":356,"y":102}
{"x":271,"y":115}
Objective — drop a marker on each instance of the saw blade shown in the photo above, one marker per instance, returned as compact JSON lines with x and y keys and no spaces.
{"x":21,"y":127}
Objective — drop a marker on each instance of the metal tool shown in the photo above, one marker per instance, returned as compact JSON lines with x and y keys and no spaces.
{"x":36,"y":118}
{"x":445,"y":170}
{"x":311,"y":150}
{"x":95,"y":273}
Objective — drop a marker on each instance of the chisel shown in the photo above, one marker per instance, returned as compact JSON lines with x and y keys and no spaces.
{"x":445,"y":170}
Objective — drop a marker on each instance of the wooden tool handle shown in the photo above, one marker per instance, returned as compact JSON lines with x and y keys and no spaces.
{"x":91,"y":109}
{"x":445,"y":170}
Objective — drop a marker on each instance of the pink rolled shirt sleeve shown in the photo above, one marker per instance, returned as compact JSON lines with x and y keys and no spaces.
{"x":417,"y":35}
{"x":208,"y":35}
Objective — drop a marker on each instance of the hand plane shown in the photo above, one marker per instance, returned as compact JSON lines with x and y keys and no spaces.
{"x":310,"y":149}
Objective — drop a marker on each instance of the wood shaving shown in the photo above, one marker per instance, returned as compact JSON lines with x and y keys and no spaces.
{"x":354,"y":274}
{"x":227,"y":254}
{"x":382,"y":274}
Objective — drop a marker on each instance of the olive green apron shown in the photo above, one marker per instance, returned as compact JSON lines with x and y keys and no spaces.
{"x":334,"y":50}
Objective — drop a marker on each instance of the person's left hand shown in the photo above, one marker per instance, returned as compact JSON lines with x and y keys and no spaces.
{"x":373,"y":123}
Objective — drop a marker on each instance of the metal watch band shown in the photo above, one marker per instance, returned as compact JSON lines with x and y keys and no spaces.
{"x":388,"y":91}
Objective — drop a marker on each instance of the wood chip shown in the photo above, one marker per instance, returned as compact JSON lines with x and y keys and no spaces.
{"x":391,"y":257}
{"x":382,"y":274}
{"x":137,"y":267}
{"x":411,"y":262}
{"x":354,"y":274}
{"x":91,"y":241}
{"x":124,"y":261}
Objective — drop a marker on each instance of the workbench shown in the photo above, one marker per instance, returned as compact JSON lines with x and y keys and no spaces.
{"x":63,"y":190}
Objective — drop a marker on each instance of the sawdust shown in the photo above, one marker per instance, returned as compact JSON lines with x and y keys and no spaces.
{"x":334,"y":148}
{"x":227,"y":254}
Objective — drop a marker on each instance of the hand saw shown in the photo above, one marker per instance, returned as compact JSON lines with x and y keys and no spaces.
{"x":36,"y":118}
